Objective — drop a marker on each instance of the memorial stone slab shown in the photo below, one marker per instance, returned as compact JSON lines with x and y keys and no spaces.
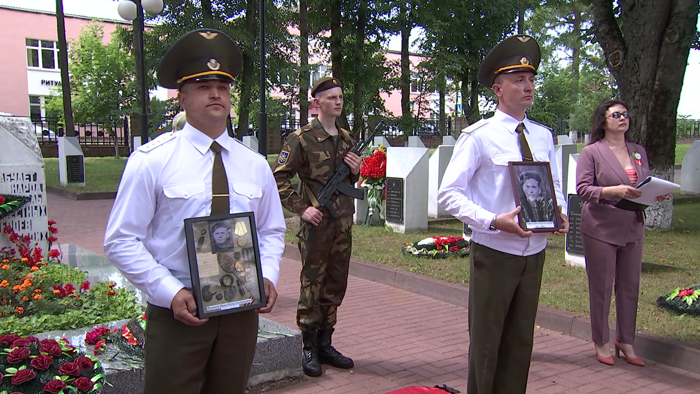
{"x":562,"y":153}
{"x":564,"y":140}
{"x":586,"y":139}
{"x":690,"y":170}
{"x":22,"y":173}
{"x":137,"y":142}
{"x":381,"y":140}
{"x":406,"y":191}
{"x":71,"y":162}
{"x":251,"y":142}
{"x":573,"y":253}
{"x":448,"y":140}
{"x":436,"y":170}
{"x":573,"y":135}
{"x":414,"y":141}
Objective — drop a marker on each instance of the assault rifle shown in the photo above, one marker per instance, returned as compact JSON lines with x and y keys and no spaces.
{"x":336,"y":185}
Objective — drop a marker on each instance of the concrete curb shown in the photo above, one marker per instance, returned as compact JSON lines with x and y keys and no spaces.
{"x":73,"y":195}
{"x":648,"y":346}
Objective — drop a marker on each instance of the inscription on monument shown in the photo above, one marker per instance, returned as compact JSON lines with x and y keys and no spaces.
{"x":74,"y":169}
{"x":574,"y":241}
{"x":394,"y":200}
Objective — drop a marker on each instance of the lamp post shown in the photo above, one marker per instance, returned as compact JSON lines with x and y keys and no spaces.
{"x":133,"y":10}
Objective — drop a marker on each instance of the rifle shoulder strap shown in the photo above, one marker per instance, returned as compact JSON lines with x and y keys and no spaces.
{"x":313,"y":199}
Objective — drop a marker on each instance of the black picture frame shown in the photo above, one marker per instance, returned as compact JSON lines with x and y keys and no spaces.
{"x":533,"y":189}
{"x":226,"y":276}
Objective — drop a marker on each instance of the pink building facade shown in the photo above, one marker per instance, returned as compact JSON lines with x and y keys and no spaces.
{"x":29,"y":67}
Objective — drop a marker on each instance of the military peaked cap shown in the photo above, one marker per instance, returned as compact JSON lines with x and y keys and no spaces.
{"x":516,"y":53}
{"x":325,"y":84}
{"x":201,"y":54}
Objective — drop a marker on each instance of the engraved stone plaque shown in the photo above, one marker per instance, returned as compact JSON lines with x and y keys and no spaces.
{"x":74,"y":168}
{"x":394,"y":200}
{"x":574,"y":241}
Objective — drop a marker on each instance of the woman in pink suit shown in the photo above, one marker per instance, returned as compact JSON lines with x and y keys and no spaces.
{"x":608,"y":169}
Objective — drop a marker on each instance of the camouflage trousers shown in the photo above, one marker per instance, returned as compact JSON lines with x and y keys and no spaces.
{"x":325,"y":258}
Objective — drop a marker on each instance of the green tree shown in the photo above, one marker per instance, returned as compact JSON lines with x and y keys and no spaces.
{"x":646,"y":46}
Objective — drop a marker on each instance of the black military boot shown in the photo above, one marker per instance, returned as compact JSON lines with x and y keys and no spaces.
{"x":327,"y":353}
{"x":310,"y":361}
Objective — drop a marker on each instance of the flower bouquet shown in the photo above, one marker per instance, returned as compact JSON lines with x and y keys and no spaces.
{"x":40,"y":294}
{"x":373,"y":174}
{"x":10,"y":204}
{"x":31,"y":366}
{"x":130,"y":338}
{"x":438,"y":247}
{"x":682,"y":301}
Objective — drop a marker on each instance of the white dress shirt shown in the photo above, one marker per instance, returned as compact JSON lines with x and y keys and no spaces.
{"x":169,"y":180}
{"x":477,"y":183}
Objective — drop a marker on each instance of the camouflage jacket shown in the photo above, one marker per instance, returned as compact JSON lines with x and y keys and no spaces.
{"x":313,"y":154}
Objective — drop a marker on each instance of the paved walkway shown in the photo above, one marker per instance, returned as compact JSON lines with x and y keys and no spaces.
{"x":400,"y":339}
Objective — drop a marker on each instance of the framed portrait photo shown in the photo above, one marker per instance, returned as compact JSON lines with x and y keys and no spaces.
{"x":533,"y":189}
{"x":224,"y":263}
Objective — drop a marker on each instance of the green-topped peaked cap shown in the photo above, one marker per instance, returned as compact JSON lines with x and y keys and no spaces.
{"x":325,"y":83}
{"x":201,"y":54}
{"x":515,"y":53}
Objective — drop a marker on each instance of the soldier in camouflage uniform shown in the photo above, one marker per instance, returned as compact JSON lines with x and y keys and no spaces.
{"x":313,"y":152}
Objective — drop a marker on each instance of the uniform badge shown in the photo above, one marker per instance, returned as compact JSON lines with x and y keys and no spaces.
{"x":524,"y":61}
{"x":284,"y":155}
{"x":523,"y":38}
{"x":208,"y":34}
{"x":214,"y":65}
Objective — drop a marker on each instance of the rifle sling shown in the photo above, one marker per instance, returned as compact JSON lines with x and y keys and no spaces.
{"x":313,"y":199}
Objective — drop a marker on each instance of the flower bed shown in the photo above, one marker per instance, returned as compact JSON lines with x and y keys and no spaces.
{"x":438,"y":247}
{"x":682,"y":301}
{"x":39,"y":294}
{"x":30,"y":366}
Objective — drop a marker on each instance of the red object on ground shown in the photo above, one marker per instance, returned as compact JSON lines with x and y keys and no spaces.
{"x":420,"y":390}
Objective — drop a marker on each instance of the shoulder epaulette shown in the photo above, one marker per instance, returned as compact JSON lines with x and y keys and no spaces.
{"x":541,"y":125}
{"x":303,"y":129}
{"x":470,"y":129}
{"x":246,"y":146}
{"x":158,"y":141}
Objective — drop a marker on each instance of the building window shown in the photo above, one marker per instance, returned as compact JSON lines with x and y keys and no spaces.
{"x":35,"y":108}
{"x":318,"y":71}
{"x":42,"y":54}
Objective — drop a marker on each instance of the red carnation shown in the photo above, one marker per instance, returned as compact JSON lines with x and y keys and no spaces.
{"x":69,"y":368}
{"x":54,"y":253}
{"x":50,"y":347}
{"x":52,"y":238}
{"x":2,"y":200}
{"x":52,"y":222}
{"x":32,"y":338}
{"x":83,"y":384}
{"x":53,"y":230}
{"x":85,"y":286}
{"x":41,"y":362}
{"x":21,"y":342}
{"x":17,"y":355}
{"x":22,"y":376}
{"x":69,"y":288}
{"x":84,"y":362}
{"x":54,"y":386}
{"x":9,"y":338}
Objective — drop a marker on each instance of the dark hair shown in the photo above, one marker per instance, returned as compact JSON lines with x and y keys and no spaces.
{"x":218,"y":225}
{"x":597,"y":130}
{"x":530,"y":175}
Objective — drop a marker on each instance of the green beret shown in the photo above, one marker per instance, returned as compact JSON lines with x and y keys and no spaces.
{"x":201,"y":54}
{"x":515,"y":53}
{"x":325,"y":84}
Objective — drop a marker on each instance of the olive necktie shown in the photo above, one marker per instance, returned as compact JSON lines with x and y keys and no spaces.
{"x":219,"y":183}
{"x":524,"y":147}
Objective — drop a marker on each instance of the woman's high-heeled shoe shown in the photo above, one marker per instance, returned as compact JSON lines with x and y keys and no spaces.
{"x":609,"y":360}
{"x":630,"y":360}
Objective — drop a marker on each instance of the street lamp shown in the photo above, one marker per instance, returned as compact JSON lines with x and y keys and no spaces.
{"x":133,"y":10}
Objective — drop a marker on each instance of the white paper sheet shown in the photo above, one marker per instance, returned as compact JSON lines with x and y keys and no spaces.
{"x":653,"y":187}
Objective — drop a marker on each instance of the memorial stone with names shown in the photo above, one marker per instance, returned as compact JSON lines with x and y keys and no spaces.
{"x":575,"y":256}
{"x":22,"y":173}
{"x":407,"y":192}
{"x":690,"y":170}
{"x":71,"y":166}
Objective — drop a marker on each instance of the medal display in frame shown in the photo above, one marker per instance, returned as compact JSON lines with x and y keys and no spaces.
{"x":225,"y":264}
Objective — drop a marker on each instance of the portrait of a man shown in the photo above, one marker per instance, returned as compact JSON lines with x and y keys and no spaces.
{"x":221,"y":237}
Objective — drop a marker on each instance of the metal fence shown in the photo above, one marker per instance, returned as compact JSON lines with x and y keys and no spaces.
{"x":89,"y":133}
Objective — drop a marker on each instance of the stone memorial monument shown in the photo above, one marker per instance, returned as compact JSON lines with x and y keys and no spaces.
{"x":71,"y":161}
{"x":251,"y":142}
{"x":564,"y":139}
{"x":690,"y":170}
{"x":380,"y":140}
{"x":22,"y":174}
{"x":406,"y":191}
{"x":436,"y":170}
{"x":414,"y":141}
{"x":448,"y":140}
{"x":573,"y":253}
{"x":563,"y":152}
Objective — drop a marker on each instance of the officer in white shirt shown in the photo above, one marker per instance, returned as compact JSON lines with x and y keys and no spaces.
{"x":506,"y":261}
{"x":169,"y":180}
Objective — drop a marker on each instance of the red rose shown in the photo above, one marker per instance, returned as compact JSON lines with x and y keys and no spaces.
{"x":41,"y":362}
{"x":69,"y":288}
{"x":83,"y":362}
{"x":17,"y":354}
{"x":2,"y":200}
{"x":33,"y":339}
{"x":52,"y":222}
{"x":52,"y":238}
{"x":51,"y":348}
{"x":53,"y":230}
{"x":22,"y":342}
{"x":83,"y":384}
{"x":54,"y":253}
{"x":22,"y":376}
{"x":85,"y":286}
{"x":9,"y":338}
{"x":69,"y":368}
{"x":54,"y":386}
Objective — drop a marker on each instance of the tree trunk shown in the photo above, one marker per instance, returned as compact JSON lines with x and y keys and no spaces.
{"x":405,"y":82}
{"x":470,"y":97}
{"x":207,"y":14}
{"x":63,"y":65}
{"x":246,"y":72}
{"x":648,"y":60}
{"x":337,"y":51}
{"x":304,"y":79}
{"x":357,"y":116}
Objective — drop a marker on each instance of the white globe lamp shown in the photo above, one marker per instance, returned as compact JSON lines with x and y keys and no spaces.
{"x":127,"y":10}
{"x":153,"y":7}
